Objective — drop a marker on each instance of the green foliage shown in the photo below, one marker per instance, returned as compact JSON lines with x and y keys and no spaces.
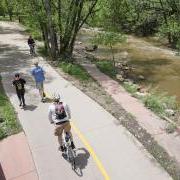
{"x":108,"y":38}
{"x":130,"y":87}
{"x":8,"y":121}
{"x":75,"y":70}
{"x":171,"y":128}
{"x":172,"y":29}
{"x":42,"y":51}
{"x":32,"y":27}
{"x":159,"y":102}
{"x":107,"y":68}
{"x":143,"y":18}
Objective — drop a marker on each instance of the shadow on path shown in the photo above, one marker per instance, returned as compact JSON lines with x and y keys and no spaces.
{"x":2,"y":176}
{"x":81,"y":160}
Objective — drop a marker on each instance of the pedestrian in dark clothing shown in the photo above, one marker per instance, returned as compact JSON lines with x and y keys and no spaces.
{"x":18,"y":83}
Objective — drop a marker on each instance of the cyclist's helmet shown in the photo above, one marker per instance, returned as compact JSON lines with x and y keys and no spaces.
{"x":56,"y":97}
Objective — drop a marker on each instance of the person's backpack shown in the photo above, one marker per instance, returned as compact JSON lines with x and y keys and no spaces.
{"x":60,"y":111}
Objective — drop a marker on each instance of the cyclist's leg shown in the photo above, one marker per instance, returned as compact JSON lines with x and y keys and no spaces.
{"x":58,"y":132}
{"x":67,"y":129}
{"x":30,"y":48}
{"x":33,"y":50}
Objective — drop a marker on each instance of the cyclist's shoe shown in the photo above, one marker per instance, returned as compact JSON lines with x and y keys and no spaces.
{"x":20,"y":104}
{"x":72,"y":145}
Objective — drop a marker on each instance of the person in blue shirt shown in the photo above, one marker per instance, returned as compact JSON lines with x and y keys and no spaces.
{"x":38,"y":74}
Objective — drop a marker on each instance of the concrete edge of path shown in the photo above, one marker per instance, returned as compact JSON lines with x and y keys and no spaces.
{"x":16,"y":160}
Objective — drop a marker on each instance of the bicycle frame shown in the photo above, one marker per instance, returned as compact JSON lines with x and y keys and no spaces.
{"x":32,"y":49}
{"x":70,"y":153}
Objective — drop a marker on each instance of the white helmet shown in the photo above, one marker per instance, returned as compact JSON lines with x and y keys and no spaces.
{"x":56,"y":97}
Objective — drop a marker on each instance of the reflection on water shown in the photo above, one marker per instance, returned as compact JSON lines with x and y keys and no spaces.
{"x":160,"y":66}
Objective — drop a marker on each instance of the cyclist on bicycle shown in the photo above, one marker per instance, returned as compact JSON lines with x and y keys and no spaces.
{"x":59,"y":114}
{"x":31,"y":44}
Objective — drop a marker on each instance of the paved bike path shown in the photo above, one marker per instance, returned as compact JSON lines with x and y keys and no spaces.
{"x":121,"y":155}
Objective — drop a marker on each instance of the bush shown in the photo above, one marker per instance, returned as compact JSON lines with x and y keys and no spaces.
{"x":75,"y":70}
{"x":159,"y":102}
{"x":8,"y":121}
{"x":107,"y":68}
{"x":130,"y":87}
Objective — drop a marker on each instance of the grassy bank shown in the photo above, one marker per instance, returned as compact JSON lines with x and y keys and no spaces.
{"x":156,"y":101}
{"x":75,"y":70}
{"x":107,"y":68}
{"x":8,"y":118}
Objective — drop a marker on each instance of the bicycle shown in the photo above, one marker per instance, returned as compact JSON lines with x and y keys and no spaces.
{"x":32,"y":49}
{"x":69,"y":152}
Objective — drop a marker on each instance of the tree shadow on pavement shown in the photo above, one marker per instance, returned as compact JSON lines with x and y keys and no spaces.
{"x":14,"y":59}
{"x":2,"y":176}
{"x":81,"y":160}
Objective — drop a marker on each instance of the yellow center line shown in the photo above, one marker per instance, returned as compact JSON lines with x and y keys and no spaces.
{"x":90,"y":149}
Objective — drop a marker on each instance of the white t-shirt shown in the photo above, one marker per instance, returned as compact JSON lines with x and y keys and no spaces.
{"x":52,"y":113}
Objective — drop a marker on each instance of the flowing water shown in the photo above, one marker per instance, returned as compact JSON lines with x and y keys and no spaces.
{"x":159,"y":65}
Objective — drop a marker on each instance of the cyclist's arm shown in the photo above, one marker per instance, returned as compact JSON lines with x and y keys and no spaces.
{"x":68,"y":111}
{"x":50,"y":115}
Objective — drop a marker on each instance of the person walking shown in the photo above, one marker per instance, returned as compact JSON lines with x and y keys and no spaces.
{"x":19,"y":83}
{"x":38,"y":74}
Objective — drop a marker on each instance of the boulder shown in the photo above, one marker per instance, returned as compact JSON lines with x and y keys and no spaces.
{"x":170,"y":112}
{"x":119,"y":77}
{"x":141,"y":77}
{"x":141,"y":94}
{"x":90,"y":49}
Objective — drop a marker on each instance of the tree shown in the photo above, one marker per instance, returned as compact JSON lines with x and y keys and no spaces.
{"x":10,"y":8}
{"x":109,"y":39}
{"x":71,"y":17}
{"x":59,"y":22}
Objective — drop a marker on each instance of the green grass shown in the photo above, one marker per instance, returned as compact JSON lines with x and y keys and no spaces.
{"x":6,"y":18}
{"x":107,"y":68}
{"x":75,"y":70}
{"x":159,"y":102}
{"x":8,"y":118}
{"x":42,"y":51}
{"x":130,"y":87}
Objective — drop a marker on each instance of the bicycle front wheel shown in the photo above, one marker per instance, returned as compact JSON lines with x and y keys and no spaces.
{"x":71,"y":157}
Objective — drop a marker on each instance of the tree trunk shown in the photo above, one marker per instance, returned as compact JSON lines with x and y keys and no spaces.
{"x":45,"y":37}
{"x":113,"y":59}
{"x":51,"y":30}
